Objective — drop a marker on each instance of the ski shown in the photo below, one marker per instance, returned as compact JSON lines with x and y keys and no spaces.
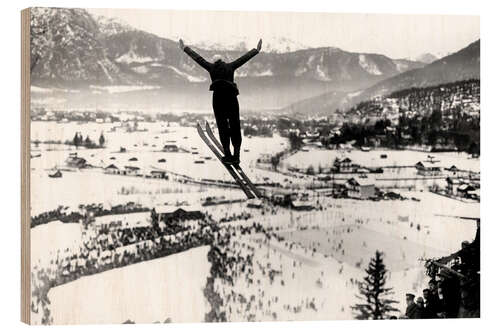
{"x":237,"y":167}
{"x":231,"y":171}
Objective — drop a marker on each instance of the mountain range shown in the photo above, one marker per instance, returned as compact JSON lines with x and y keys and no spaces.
{"x":244,"y":43}
{"x":82,"y":60}
{"x":426,"y":58}
{"x":461,"y":65}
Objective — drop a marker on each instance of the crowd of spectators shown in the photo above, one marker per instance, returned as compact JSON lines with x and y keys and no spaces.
{"x":232,"y":261}
{"x":247,"y":279}
{"x":453,"y":290}
{"x":63,"y":214}
{"x":106,"y":247}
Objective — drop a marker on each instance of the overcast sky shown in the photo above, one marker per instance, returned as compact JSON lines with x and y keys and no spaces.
{"x":397,"y":36}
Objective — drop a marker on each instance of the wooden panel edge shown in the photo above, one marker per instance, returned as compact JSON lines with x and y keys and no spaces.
{"x":25,"y":169}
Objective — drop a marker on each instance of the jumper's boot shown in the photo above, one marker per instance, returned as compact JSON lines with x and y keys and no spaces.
{"x":227,"y":158}
{"x":236,"y":156}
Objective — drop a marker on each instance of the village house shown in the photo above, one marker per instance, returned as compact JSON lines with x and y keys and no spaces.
{"x":360,"y":188}
{"x":461,"y":188}
{"x":345,"y":165}
{"x":325,"y":192}
{"x":158,"y":174}
{"x":283,"y":198}
{"x":57,"y":174}
{"x":361,"y":170}
{"x":278,"y":198}
{"x":338,"y":190}
{"x":112,"y":170}
{"x":302,"y":201}
{"x":153,"y":172}
{"x":132,"y":170}
{"x":264,"y":158}
{"x":76,"y":162}
{"x":475,"y":176}
{"x":254,"y":203}
{"x":427,"y":169}
{"x":170,"y":148}
{"x":302,"y":205}
{"x":168,"y":214}
{"x":466,"y":190}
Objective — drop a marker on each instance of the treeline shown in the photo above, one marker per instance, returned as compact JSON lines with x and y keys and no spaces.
{"x":438,"y":92}
{"x":463,"y":135}
{"x":78,"y":141}
{"x":447,"y":98}
{"x":462,"y":132}
{"x":256,"y":126}
{"x":446,"y":117}
{"x":179,"y":118}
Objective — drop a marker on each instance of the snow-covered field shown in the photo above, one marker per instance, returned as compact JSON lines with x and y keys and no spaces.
{"x":47,"y":240}
{"x":90,"y":186}
{"x":326,"y":282}
{"x":343,"y":243}
{"x":372,"y":158}
{"x":312,"y":271}
{"x":152,"y":291}
{"x":171,"y":287}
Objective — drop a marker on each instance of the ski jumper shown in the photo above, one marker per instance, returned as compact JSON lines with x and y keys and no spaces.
{"x":224,"y":98}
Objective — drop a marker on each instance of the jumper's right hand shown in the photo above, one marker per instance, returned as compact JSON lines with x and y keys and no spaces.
{"x":181,"y":44}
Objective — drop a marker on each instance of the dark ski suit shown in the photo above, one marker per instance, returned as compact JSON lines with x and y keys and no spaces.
{"x":224,"y":100}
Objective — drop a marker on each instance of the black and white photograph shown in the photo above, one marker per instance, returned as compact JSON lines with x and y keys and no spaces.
{"x":239,"y":166}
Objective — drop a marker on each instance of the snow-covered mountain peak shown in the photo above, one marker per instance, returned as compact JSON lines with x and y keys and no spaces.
{"x":110,"y":26}
{"x":245,"y":43}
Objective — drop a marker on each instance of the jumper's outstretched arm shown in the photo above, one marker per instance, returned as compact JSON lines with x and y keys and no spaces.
{"x":195,"y":56}
{"x":247,"y":56}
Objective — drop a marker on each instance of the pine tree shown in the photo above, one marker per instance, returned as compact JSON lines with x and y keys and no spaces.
{"x":310,"y":170}
{"x":88,"y":142}
{"x":378,"y":304}
{"x":102,"y":140}
{"x":76,"y":140}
